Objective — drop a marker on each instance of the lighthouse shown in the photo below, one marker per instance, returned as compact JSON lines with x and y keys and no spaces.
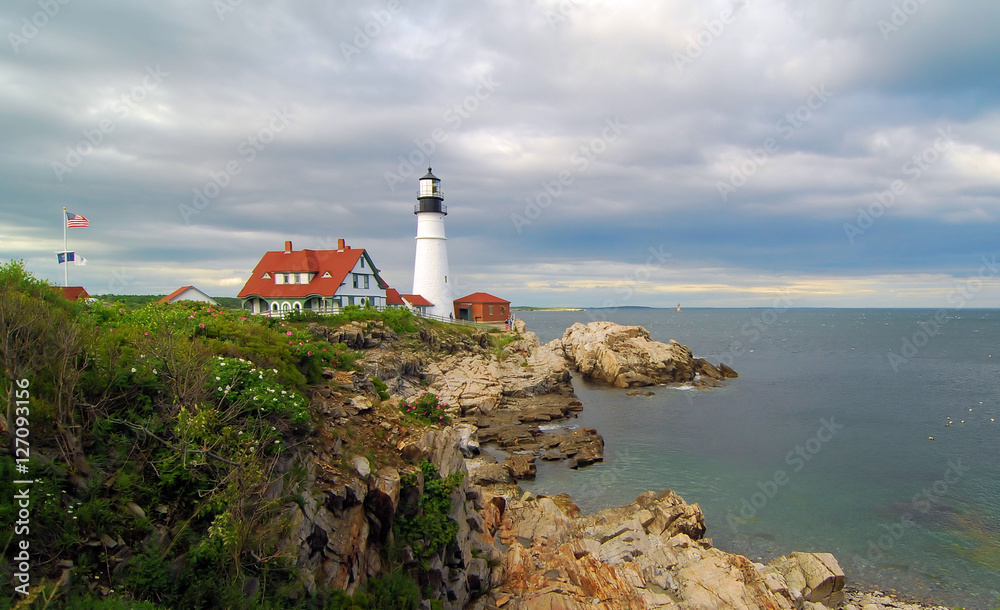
{"x":430,"y":266}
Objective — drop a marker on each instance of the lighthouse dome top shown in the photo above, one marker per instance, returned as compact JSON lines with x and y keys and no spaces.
{"x":430,"y":195}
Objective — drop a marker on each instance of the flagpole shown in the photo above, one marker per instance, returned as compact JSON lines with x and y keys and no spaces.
{"x":65,"y":249}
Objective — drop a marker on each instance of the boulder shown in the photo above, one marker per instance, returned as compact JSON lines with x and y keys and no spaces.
{"x":362,"y":467}
{"x":490,"y":474}
{"x":626,"y":356}
{"x":582,"y":446}
{"x":813,"y":577}
{"x":521,"y":466}
{"x":634,"y":556}
{"x":467,"y":441}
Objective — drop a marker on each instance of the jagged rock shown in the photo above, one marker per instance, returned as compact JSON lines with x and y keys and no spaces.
{"x":582,"y":446}
{"x":490,"y":474}
{"x":704,"y":368}
{"x":813,"y":577}
{"x":382,"y":500}
{"x":440,"y":446}
{"x":467,"y":442}
{"x":727,"y":371}
{"x":510,"y":436}
{"x":634,"y":392}
{"x":635,"y":556}
{"x":521,"y":466}
{"x":626,"y":356}
{"x":361,"y":466}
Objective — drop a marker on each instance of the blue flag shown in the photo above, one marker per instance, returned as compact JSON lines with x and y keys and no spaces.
{"x":65,"y":257}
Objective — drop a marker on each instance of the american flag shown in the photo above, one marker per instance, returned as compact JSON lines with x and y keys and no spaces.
{"x":75,"y":220}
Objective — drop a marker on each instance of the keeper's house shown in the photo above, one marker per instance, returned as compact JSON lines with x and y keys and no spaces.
{"x":322,"y":281}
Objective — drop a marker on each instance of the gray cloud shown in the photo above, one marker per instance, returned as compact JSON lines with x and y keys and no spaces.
{"x":371,"y":83}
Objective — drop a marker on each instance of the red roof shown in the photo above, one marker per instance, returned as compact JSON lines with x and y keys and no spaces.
{"x":338,"y":263}
{"x":392,"y":297}
{"x":481,"y":297}
{"x":73,"y":293}
{"x":173,"y":294}
{"x":417,"y":301}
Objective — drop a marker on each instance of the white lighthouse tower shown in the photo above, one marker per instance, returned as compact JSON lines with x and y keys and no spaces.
{"x":430,"y":267}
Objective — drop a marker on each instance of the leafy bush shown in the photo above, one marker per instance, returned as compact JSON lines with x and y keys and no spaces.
{"x":380,"y":388}
{"x":393,"y":591}
{"x":165,"y":415}
{"x":430,"y":528}
{"x":427,"y":409}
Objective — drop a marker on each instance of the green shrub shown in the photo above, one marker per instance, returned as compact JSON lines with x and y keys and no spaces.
{"x":380,"y":388}
{"x":430,"y":528}
{"x":393,"y":591}
{"x":427,"y":409}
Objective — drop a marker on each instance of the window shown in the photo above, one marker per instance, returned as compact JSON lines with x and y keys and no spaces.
{"x":491,"y":310}
{"x":287,"y":278}
{"x":360,"y":280}
{"x":366,"y":281}
{"x":362,"y":262}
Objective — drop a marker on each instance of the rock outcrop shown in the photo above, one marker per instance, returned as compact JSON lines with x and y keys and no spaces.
{"x":647,"y":554}
{"x":512,"y":550}
{"x":626,"y":356}
{"x":504,"y":401}
{"x":337,"y":530}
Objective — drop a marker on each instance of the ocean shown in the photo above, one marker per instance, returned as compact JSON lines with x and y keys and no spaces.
{"x":873,"y":434}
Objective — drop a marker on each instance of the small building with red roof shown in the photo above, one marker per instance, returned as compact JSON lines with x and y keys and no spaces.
{"x":73,"y":293}
{"x":322,"y":281}
{"x":482,"y":307}
{"x":187,"y":293}
{"x":413,"y":302}
{"x":417,"y":303}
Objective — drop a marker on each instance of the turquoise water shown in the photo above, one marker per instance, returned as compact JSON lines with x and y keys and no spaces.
{"x":822,"y":444}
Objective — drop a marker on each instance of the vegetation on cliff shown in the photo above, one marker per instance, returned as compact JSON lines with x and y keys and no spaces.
{"x":158,"y":435}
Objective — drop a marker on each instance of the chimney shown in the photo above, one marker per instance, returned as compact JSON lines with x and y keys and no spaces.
{"x":288,"y":247}
{"x":340,"y":244}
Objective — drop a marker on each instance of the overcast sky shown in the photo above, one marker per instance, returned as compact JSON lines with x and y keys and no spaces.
{"x":591,"y":152}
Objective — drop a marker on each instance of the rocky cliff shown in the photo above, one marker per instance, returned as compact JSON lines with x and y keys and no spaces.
{"x":512,"y":550}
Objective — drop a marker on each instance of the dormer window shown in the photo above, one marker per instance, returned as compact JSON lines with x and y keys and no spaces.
{"x":266,"y":276}
{"x":326,"y":275}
